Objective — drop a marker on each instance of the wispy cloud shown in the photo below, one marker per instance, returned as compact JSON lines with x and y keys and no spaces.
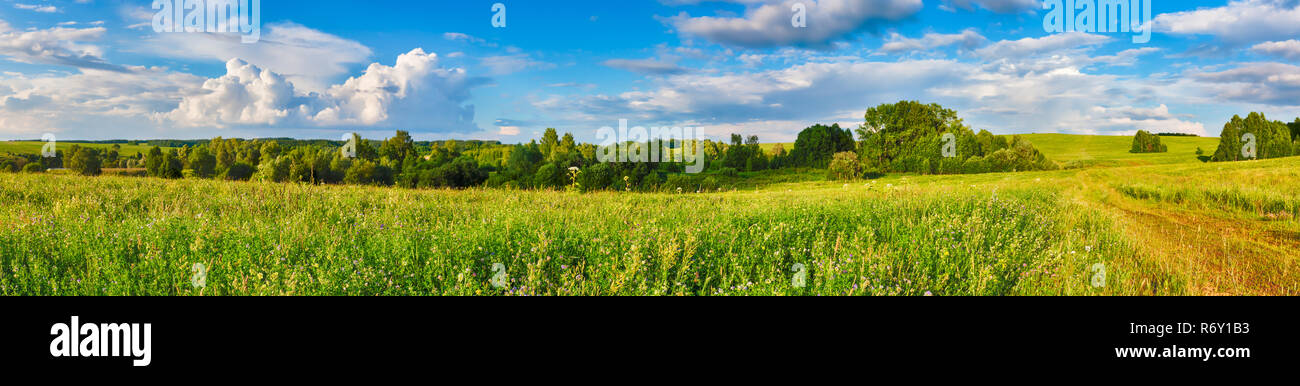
{"x":42,"y":8}
{"x":646,"y":66}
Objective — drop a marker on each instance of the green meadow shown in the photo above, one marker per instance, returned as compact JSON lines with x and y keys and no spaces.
{"x":34,"y":147}
{"x":1093,"y":150}
{"x":1117,"y":224}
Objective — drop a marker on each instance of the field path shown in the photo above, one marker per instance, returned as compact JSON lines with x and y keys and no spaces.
{"x":1215,"y":256}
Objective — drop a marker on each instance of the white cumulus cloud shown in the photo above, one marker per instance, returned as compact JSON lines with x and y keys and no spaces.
{"x":413,"y":93}
{"x":311,"y":59}
{"x":1238,"y":22}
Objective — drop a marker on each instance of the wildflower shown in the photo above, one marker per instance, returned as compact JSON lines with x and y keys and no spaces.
{"x":927,"y":293}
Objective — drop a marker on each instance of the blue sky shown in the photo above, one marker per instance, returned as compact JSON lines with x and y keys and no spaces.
{"x":96,"y":69}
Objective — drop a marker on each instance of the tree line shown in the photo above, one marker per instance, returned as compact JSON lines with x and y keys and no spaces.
{"x":914,"y":137}
{"x":1257,"y":137}
{"x":907,"y":136}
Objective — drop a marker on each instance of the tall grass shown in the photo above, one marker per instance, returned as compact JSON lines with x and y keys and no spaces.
{"x":68,"y":235}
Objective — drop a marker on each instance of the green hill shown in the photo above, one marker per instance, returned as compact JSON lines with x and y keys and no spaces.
{"x":1106,"y":150}
{"x":34,"y":147}
{"x":1103,"y":150}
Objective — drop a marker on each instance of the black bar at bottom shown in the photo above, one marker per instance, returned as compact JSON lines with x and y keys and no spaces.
{"x":454,"y":335}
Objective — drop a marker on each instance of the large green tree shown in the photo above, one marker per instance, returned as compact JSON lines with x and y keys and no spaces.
{"x":203,"y":163}
{"x":171,"y":166}
{"x":85,"y":161}
{"x":816,"y":144}
{"x":910,"y":136}
{"x":899,"y":136}
{"x":154,"y":162}
{"x":397,"y":147}
{"x":565,"y":153}
{"x":549,"y":139}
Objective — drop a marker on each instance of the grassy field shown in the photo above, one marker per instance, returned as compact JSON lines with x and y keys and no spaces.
{"x":767,"y":147}
{"x":1159,"y":228}
{"x":34,"y":147}
{"x":1100,"y":150}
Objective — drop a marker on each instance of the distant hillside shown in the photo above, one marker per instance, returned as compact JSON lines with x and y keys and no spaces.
{"x":1113,"y":150}
{"x":130,"y":147}
{"x":34,"y":147}
{"x":1103,"y":150}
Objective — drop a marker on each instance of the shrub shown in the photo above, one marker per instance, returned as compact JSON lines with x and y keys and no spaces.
{"x":240,"y":171}
{"x":710,"y":183}
{"x":86,"y":162}
{"x":975,"y":165}
{"x":685,"y":183}
{"x":1200,"y":155}
{"x":844,"y":166}
{"x":500,"y":180}
{"x":1018,"y":157}
{"x":950,"y":166}
{"x":596,"y":177}
{"x":549,"y":176}
{"x":463,"y":172}
{"x":729,"y":172}
{"x":361,"y":172}
{"x":273,"y":170}
{"x":34,"y":167}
